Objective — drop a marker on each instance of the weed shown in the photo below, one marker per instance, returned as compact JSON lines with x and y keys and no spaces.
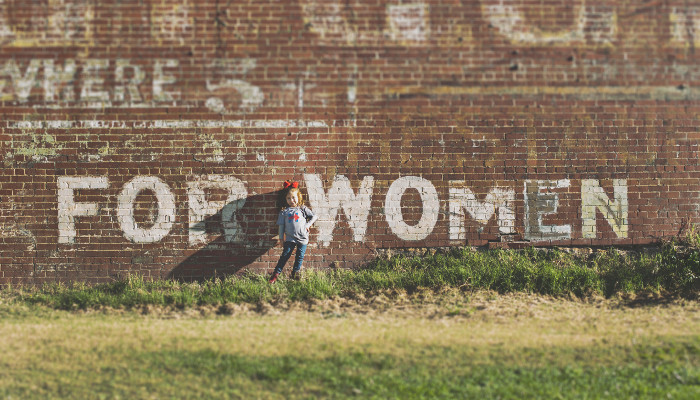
{"x":673,"y":268}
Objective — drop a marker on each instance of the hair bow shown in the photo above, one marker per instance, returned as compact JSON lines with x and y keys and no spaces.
{"x":288,"y":184}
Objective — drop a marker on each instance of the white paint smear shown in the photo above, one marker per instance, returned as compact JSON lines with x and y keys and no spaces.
{"x":508,"y":17}
{"x":167,"y":124}
{"x":408,"y":22}
{"x":685,"y":25}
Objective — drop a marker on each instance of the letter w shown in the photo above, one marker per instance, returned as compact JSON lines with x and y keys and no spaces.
{"x":340,"y":195}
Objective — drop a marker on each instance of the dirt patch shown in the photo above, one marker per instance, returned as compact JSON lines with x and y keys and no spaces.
{"x":447,"y":303}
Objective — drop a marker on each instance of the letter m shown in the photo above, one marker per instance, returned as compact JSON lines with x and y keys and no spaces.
{"x":462,"y":199}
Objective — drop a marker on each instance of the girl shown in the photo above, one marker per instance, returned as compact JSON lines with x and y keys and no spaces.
{"x":294,"y":222}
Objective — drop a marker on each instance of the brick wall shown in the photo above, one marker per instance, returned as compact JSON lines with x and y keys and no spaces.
{"x":153,"y":136}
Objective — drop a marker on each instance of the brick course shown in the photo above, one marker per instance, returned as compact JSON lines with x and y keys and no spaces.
{"x":130,"y":130}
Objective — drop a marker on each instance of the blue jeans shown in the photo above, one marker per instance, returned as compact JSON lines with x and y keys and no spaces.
{"x":287,"y":252}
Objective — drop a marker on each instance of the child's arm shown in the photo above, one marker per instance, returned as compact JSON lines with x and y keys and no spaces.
{"x":281,"y":233}
{"x":311,"y":222}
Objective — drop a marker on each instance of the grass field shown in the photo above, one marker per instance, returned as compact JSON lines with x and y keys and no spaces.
{"x":463,"y":324}
{"x":450,"y":345}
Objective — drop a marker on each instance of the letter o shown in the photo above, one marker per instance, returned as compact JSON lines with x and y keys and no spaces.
{"x":394,"y":216}
{"x":166,"y":209}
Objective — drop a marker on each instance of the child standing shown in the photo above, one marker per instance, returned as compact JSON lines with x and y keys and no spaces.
{"x":294,"y":222}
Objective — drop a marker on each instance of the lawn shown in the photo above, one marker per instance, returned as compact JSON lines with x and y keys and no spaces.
{"x":448,"y":345}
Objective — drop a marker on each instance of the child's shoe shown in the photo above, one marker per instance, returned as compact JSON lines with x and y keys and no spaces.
{"x":273,"y":278}
{"x":296,"y":275}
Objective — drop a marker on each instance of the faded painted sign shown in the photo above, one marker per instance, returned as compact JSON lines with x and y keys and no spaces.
{"x":595,"y":24}
{"x":541,"y":199}
{"x":55,"y":83}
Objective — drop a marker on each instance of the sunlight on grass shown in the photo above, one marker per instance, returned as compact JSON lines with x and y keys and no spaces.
{"x":563,"y":349}
{"x":674,"y":269}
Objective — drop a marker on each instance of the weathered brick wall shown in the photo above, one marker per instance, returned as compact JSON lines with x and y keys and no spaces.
{"x":131,"y":129}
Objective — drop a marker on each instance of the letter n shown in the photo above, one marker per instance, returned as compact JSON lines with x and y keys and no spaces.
{"x":615,"y":212}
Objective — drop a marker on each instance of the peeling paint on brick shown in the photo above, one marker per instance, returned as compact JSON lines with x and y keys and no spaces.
{"x":39,"y":147}
{"x":165,"y":219}
{"x":156,"y":143}
{"x":463,"y":199}
{"x":429,"y":213}
{"x":541,"y":200}
{"x":200,"y":207}
{"x":340,"y":196}
{"x":615,"y":212}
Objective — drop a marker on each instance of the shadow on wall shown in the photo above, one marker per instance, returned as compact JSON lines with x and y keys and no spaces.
{"x":249,"y":232}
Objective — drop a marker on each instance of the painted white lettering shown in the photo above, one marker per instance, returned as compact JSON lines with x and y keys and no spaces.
{"x":6,"y":33}
{"x":340,"y":195}
{"x":685,"y":25}
{"x":325,"y":17}
{"x":462,"y":198}
{"x":93,"y":81}
{"x":172,"y":21}
{"x":599,"y":23}
{"x":394,"y":215}
{"x":56,"y":77}
{"x":615,"y":212}
{"x":130,"y":85}
{"x":251,"y":96}
{"x":408,"y":22}
{"x":166,"y":210}
{"x":200,"y":207}
{"x":68,"y":209}
{"x":539,"y":204}
{"x":22,"y":83}
{"x":160,"y":79}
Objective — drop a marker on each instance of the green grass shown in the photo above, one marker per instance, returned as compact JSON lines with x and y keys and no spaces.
{"x":389,"y":377}
{"x":433,"y":373}
{"x":386,"y":376}
{"x":526,"y":347}
{"x":672,"y":269}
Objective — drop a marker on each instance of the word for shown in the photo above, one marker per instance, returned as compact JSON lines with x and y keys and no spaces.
{"x":541,"y":199}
